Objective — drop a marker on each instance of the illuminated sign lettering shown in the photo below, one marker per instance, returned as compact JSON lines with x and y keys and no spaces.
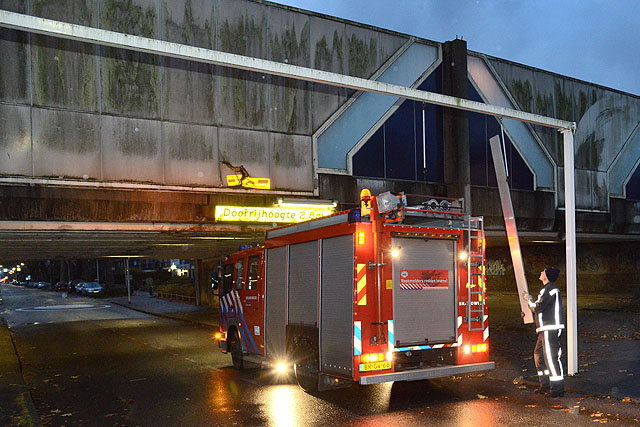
{"x":269,"y":215}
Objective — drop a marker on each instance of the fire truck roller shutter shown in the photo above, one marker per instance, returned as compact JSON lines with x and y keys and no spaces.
{"x":424,"y":292}
{"x":303,"y":283}
{"x":336,"y":309}
{"x":276,"y":282}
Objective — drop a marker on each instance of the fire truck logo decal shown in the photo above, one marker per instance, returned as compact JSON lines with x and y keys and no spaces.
{"x":231,"y":308}
{"x":417,"y":280}
{"x":357,"y":338}
{"x":361,"y":284}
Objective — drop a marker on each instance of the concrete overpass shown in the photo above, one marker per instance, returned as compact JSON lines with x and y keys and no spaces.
{"x":134,"y":144}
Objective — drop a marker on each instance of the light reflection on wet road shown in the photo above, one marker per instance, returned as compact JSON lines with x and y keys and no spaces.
{"x":113,"y":366}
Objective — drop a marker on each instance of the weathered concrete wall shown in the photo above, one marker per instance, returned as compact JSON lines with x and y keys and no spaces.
{"x":79,"y":110}
{"x":612,"y":268}
{"x":606,"y":141}
{"x":40,"y":203}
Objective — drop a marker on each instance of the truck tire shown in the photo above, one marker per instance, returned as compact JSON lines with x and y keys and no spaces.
{"x":305,"y":366}
{"x":235,"y":348}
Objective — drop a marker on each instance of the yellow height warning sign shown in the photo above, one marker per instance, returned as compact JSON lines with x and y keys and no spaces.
{"x":249,"y":182}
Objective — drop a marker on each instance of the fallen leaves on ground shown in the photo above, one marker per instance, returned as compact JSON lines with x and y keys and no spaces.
{"x":481,"y":396}
{"x":530,"y":406}
{"x":557,"y":406}
{"x":626,"y":399}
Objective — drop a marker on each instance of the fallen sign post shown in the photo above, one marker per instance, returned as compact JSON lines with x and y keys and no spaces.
{"x":510,"y":228}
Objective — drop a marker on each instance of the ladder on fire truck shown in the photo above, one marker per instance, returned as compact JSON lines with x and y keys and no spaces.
{"x":476,"y":297}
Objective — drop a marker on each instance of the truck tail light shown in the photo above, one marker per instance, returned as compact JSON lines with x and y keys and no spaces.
{"x":372,"y":357}
{"x":479,"y":348}
{"x":361,"y":238}
{"x":476,"y":348}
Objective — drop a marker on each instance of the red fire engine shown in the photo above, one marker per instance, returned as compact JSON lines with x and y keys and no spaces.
{"x":391,"y":291}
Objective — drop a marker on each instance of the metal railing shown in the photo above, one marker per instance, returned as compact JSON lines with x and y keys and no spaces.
{"x":177,"y":297}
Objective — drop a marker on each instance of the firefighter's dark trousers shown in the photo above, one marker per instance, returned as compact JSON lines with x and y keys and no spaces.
{"x":547,"y":358}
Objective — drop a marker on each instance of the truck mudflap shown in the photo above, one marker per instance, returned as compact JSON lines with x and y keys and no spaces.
{"x":427,"y":373}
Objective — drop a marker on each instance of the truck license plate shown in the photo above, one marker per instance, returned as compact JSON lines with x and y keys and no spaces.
{"x":375,"y":366}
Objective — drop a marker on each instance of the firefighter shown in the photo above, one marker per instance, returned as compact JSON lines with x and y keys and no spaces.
{"x":547,"y":311}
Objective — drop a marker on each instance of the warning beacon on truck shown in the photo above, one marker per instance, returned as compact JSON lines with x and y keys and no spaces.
{"x":391,"y":291}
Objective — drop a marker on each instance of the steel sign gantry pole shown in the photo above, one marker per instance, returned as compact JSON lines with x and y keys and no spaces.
{"x":570,"y":247}
{"x":85,"y":34}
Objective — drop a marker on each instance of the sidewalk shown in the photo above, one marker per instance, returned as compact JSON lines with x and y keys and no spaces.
{"x":608,"y":346}
{"x":143,"y":302}
{"x":609,"y":355}
{"x":16,"y":406}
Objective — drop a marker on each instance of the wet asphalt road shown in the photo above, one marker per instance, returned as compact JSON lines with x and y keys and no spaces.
{"x":89,"y":363}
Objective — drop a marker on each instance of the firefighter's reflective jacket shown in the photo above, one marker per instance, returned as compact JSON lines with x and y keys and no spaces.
{"x":548,"y":308}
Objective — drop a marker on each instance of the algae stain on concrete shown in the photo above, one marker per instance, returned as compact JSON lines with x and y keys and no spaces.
{"x":191,"y":149}
{"x":523,"y":94}
{"x":131,"y":77}
{"x":363,"y":56}
{"x":288,"y":48}
{"x":65,"y":69}
{"x":137,"y":145}
{"x":244,"y":37}
{"x":330,"y":59}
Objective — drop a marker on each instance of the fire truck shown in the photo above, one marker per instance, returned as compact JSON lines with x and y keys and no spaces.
{"x":391,"y":291}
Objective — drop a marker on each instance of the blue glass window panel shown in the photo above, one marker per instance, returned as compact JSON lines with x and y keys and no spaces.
{"x":433,"y":132}
{"x":633,"y":186}
{"x":401,"y":150}
{"x":481,"y":128}
{"x":400,"y":143}
{"x":369,"y":160}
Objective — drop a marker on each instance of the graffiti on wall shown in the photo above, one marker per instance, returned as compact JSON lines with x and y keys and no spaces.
{"x":495,"y":267}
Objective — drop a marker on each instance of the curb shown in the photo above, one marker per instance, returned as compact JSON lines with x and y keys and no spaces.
{"x":165,"y":316}
{"x":34,"y":416}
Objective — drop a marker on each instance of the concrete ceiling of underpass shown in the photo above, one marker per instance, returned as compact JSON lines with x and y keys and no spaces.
{"x":24,"y":241}
{"x":25,"y":245}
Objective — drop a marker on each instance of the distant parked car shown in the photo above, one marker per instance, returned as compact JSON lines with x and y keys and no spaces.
{"x":78,"y":288}
{"x":73,"y":284}
{"x":43,"y":285}
{"x":62,"y":286}
{"x":91,"y":289}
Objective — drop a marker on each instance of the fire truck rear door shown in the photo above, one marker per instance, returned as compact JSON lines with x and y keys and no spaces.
{"x":275,"y":304}
{"x":424,"y":292}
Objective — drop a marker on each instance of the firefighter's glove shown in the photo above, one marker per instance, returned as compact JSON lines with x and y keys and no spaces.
{"x":526,"y":296}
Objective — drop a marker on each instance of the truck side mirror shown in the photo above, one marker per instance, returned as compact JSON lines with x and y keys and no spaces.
{"x":215,"y":283}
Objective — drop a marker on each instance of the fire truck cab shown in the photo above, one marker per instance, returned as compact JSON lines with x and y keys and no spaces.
{"x":392,"y":291}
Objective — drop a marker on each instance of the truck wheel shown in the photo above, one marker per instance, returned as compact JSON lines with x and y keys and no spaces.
{"x":235,"y":348}
{"x":305,"y":366}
